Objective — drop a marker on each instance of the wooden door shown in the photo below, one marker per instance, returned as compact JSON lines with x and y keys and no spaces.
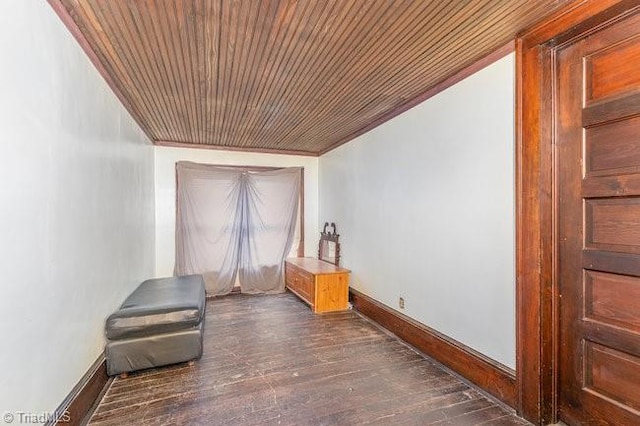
{"x":597,"y":101}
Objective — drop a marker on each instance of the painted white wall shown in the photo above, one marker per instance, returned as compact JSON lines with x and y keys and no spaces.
{"x":165,"y":171}
{"x":77,"y":208}
{"x":425,"y":207}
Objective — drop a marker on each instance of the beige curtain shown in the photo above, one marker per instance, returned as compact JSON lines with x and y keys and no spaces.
{"x":232,"y":221}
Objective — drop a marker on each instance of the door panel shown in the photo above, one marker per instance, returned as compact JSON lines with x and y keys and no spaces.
{"x":613,"y":224}
{"x":607,"y":374}
{"x":598,"y":225}
{"x":613,"y":148}
{"x":611,"y":299}
{"x":605,"y":76}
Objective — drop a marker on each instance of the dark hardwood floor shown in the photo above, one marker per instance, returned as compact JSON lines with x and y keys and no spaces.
{"x":269,"y":360}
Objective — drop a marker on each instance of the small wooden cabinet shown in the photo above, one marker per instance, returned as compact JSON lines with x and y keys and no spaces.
{"x":322,"y":285}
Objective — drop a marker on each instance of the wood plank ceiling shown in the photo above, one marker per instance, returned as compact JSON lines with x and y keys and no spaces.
{"x":283,"y":75}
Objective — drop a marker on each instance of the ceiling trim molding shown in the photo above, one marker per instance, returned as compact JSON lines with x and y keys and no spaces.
{"x":447,"y":82}
{"x":172,"y":144}
{"x":73,"y":28}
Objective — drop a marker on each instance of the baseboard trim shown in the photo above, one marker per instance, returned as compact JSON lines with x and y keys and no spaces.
{"x":77,"y":405}
{"x":482,"y":371}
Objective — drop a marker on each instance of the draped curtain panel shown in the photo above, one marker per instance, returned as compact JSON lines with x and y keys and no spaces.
{"x":233,"y":221}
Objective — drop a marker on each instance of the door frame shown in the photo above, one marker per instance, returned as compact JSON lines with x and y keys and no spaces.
{"x":537,"y":321}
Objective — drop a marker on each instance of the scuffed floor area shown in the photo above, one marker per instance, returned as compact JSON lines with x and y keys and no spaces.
{"x":269,"y":361}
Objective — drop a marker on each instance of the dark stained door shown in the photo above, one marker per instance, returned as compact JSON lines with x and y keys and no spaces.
{"x":597,"y":98}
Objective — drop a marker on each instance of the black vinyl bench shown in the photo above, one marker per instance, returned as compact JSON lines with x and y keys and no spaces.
{"x":160,"y":323}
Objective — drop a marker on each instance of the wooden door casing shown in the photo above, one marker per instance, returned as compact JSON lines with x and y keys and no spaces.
{"x":537,"y":298}
{"x":597,"y":162}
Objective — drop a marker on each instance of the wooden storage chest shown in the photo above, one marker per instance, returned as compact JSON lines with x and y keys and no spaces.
{"x":324,"y":286}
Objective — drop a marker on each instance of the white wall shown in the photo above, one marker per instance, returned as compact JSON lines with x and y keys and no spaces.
{"x":425,"y":208}
{"x":77,"y":212}
{"x":165,"y":170}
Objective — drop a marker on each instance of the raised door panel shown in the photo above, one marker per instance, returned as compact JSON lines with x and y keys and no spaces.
{"x":612,"y":374}
{"x":613,"y":148}
{"x":612,"y":299}
{"x":608,"y":70}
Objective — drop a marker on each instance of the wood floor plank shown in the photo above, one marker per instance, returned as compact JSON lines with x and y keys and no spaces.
{"x":269,"y":360}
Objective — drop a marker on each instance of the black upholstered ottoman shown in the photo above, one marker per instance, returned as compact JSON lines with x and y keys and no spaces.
{"x":160,"y":323}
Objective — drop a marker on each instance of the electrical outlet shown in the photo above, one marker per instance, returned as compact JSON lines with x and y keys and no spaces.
{"x":401,"y":302}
